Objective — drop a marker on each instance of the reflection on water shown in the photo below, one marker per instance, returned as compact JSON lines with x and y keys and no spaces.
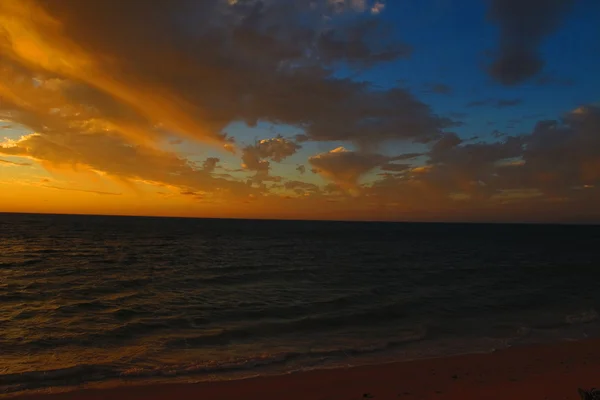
{"x":97,"y":298}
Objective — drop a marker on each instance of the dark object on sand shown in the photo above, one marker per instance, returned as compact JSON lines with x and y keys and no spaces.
{"x":592,"y":394}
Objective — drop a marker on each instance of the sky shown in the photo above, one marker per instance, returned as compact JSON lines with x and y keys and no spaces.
{"x":429,"y":110}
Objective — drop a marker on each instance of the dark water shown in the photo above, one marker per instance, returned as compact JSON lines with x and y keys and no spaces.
{"x":96,"y":299}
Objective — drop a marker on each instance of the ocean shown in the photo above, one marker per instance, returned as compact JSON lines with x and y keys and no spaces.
{"x":96,"y":300}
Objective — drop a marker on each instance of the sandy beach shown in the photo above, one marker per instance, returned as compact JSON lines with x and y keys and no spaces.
{"x":552,"y":371}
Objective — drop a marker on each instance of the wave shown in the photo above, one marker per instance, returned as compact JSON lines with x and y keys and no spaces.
{"x":17,"y":297}
{"x":245,"y":275}
{"x":88,"y":373}
{"x":264,"y":324}
{"x":116,"y":336}
{"x":567,"y":320}
{"x":583,"y":317}
{"x":84,"y":306}
{"x":265,"y":310}
{"x":197,"y":331}
{"x":24,"y":263}
{"x":322,"y":323}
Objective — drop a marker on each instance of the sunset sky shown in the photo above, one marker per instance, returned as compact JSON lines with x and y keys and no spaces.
{"x":429,"y":110}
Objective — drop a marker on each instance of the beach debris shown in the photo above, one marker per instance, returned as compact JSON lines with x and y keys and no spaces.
{"x":592,"y":394}
{"x":368,"y":396}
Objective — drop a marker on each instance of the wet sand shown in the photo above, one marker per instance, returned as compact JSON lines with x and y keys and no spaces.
{"x":552,"y":371}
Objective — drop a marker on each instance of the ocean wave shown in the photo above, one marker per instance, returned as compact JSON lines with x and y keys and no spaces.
{"x":23,"y":263}
{"x":110,"y":336}
{"x":114,"y":284}
{"x":48,"y":251}
{"x":582,"y":317}
{"x":76,"y":308}
{"x":17,"y":297}
{"x":135,"y":325}
{"x":559,"y":321}
{"x":113,"y":288}
{"x":266,"y":310}
{"x":70,"y":376}
{"x":233,"y":269}
{"x":322,"y":323}
{"x":246,"y":276}
{"x":80,"y":374}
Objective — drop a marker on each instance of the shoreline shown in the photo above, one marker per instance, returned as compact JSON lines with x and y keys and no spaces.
{"x":544,"y":371}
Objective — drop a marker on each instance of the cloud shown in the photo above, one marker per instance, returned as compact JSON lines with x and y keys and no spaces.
{"x":553,"y":173}
{"x":345,"y":167}
{"x":377,"y":7}
{"x":498,"y":103}
{"x":446,"y":142}
{"x":523,"y":26}
{"x":562,"y":155}
{"x":210,"y":164}
{"x":194,"y":194}
{"x":276,"y":149}
{"x":353,"y":112}
{"x":256,"y":157}
{"x":351,"y":44}
{"x":34,"y":37}
{"x":96,"y":98}
{"x":19,"y":164}
{"x":82,"y":190}
{"x":119,"y":159}
{"x":407,"y":156}
{"x":438,"y":88}
{"x":469,"y":169}
{"x":374,"y":7}
{"x":301,"y":188}
{"x":301,"y":138}
{"x":344,"y":5}
{"x":208,"y":64}
{"x":474,"y":156}
{"x":229,"y":147}
{"x":391,"y":167}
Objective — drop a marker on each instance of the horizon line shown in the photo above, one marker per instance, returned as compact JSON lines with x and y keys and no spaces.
{"x":465,"y":222}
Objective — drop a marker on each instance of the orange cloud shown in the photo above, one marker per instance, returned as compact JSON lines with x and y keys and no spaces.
{"x":18,"y":164}
{"x":102,"y":85}
{"x":37,"y":39}
{"x":345,"y":167}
